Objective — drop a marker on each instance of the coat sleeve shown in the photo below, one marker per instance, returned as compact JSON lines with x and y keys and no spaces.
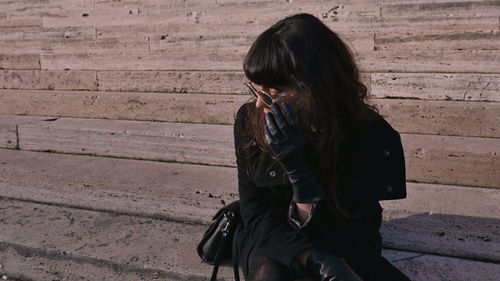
{"x":263,"y":224}
{"x":318,"y":214}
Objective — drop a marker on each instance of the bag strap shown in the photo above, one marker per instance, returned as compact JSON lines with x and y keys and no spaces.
{"x":235,"y":254}
{"x":218,"y":257}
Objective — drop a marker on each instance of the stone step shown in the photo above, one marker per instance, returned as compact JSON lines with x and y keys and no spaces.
{"x":43,"y":242}
{"x":181,"y":142}
{"x":360,"y":13}
{"x":48,"y":80}
{"x":191,"y":36}
{"x":434,"y":219}
{"x":453,"y":61}
{"x":462,"y":118}
{"x":182,"y":46}
{"x":482,"y":37}
{"x":24,"y":60}
{"x":8,"y":128}
{"x":469,"y":161}
{"x":111,"y":243}
{"x":422,"y":86}
{"x":436,"y":86}
{"x":427,"y":8}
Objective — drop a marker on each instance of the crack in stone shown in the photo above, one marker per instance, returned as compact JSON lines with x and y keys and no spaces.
{"x":409,"y":258}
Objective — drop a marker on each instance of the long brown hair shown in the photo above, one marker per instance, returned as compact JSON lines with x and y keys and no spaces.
{"x":301,"y":51}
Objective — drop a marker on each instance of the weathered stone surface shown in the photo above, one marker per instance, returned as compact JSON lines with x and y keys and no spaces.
{"x":198,"y":82}
{"x":206,"y":12}
{"x":227,"y":59}
{"x":223,"y":50}
{"x":29,"y":263}
{"x":189,"y":143}
{"x":120,"y":185}
{"x":436,"y":86}
{"x":428,"y":25}
{"x":478,"y":119}
{"x":453,"y":160}
{"x":459,"y":118}
{"x":199,"y":108}
{"x":432,"y":219}
{"x":178,"y":59}
{"x":103,"y":239}
{"x":19,"y":61}
{"x":129,"y":245}
{"x":135,"y":179}
{"x":38,"y":39}
{"x":467,"y":237}
{"x":480,"y":38}
{"x":452,"y":200}
{"x":116,"y":180}
{"x":16,"y":23}
{"x":448,"y":61}
{"x":191,"y":35}
{"x":49,"y":80}
{"x":458,"y":8}
{"x":32,"y":9}
{"x":8,"y":128}
{"x":204,"y":82}
{"x":69,"y":45}
{"x":438,"y":268}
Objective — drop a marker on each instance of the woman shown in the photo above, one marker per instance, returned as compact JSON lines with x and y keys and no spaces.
{"x":313,"y":161}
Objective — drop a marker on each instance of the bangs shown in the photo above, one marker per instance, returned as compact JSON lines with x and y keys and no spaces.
{"x":269,"y":63}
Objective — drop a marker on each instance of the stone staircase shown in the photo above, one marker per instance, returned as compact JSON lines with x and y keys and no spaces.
{"x":79,"y":217}
{"x":116,"y":121}
{"x":85,"y":198}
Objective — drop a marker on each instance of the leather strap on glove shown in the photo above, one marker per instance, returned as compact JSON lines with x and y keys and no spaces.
{"x":290,"y":149}
{"x":330,"y":267}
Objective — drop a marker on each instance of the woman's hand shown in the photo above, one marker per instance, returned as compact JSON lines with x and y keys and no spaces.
{"x":281,"y":136}
{"x":290,"y":149}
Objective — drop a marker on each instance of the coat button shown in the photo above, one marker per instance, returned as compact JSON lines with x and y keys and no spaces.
{"x":389,"y":188}
{"x":272,"y":174}
{"x":387,"y":153}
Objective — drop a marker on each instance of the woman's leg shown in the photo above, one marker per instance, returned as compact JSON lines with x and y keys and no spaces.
{"x":263,"y":268}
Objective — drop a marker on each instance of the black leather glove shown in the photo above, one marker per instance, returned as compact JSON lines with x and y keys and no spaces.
{"x":290,"y":149}
{"x":330,"y":267}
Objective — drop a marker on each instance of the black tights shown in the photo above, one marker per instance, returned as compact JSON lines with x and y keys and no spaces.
{"x":263,"y":268}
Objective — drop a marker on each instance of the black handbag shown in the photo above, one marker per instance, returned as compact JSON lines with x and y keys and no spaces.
{"x":219,"y":241}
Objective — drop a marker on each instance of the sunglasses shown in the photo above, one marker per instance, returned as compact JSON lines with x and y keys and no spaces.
{"x":266,"y":98}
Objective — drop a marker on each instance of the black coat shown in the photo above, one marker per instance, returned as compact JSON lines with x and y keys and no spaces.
{"x":374,"y":163}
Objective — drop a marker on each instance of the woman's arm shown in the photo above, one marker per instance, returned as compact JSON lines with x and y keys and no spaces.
{"x":266,"y":226}
{"x":303,"y":211}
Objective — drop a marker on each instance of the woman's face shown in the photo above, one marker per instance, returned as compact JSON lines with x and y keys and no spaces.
{"x":288,"y":94}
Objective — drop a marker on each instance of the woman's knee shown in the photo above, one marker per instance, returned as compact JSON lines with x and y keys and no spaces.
{"x":263,"y":268}
{"x":269,"y":272}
